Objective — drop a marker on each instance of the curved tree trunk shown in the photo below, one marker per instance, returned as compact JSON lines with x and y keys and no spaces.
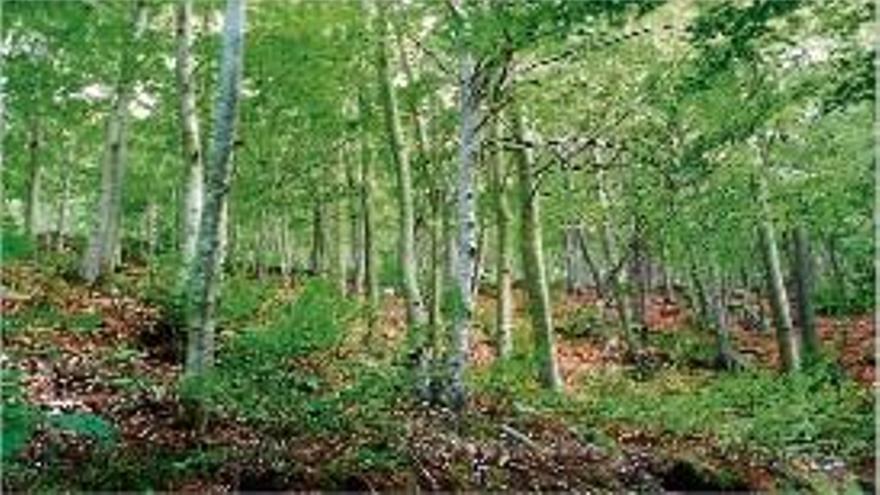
{"x":204,"y":277}
{"x":533,"y":265}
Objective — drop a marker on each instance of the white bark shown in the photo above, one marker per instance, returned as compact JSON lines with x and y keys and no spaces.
{"x":205,"y":274}
{"x":467,"y":225}
{"x":189,"y":124}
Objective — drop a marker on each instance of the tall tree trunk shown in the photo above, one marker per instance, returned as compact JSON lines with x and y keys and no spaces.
{"x":504,"y":265}
{"x":838,"y":273}
{"x":340,"y":276}
{"x":618,"y":291}
{"x":785,"y":336}
{"x":533,"y":263}
{"x":639,"y":278}
{"x":595,"y":273}
{"x":204,"y":277}
{"x":467,"y":224}
{"x":371,"y":279}
{"x":803,"y":272}
{"x":415,"y":310}
{"x":191,"y":139}
{"x":100,"y":255}
{"x":354,"y":178}
{"x":33,"y":213}
{"x":318,"y":263}
{"x":64,"y":201}
{"x":151,"y":228}
{"x":435,"y":312}
{"x":725,"y":357}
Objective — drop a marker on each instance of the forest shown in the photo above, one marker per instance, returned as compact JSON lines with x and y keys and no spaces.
{"x":444,"y":245}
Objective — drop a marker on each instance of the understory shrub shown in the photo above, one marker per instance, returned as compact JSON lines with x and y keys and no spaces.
{"x":813,"y":412}
{"x":275,"y":374}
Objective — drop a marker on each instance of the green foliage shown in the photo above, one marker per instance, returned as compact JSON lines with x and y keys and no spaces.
{"x":686,"y":348}
{"x":15,"y":244}
{"x":84,"y":424}
{"x":18,"y":417}
{"x":506,"y":379}
{"x":585,"y":321}
{"x":242,"y":299}
{"x":272,"y":374}
{"x":815,"y":412}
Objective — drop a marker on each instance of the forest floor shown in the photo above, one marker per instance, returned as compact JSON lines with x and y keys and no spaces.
{"x":92,"y":394}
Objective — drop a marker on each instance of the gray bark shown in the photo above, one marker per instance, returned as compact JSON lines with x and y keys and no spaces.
{"x":61,"y":226}
{"x":416,"y":315}
{"x":803,"y":273}
{"x":204,"y":277}
{"x":33,"y":204}
{"x":504,"y":265}
{"x":100,"y":255}
{"x":785,"y":336}
{"x":467,"y":225}
{"x":534,"y":266}
{"x":725,"y":356}
{"x":592,"y":265}
{"x":371,"y":280}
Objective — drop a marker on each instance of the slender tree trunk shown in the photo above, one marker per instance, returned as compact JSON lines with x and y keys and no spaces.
{"x":318,"y":258}
{"x":639,"y":279}
{"x":33,"y":205}
{"x":449,"y":231}
{"x":803,"y":271}
{"x":533,"y":264}
{"x":189,"y":125}
{"x":340,"y":276}
{"x":467,"y":225}
{"x":204,"y":277}
{"x":435,"y":313}
{"x":371,"y":279}
{"x":785,"y":336}
{"x":63,"y":202}
{"x":618,"y":291}
{"x":838,"y":273}
{"x":700,"y":298}
{"x":151,"y":228}
{"x":725,"y":356}
{"x":416,"y":315}
{"x":504,"y":265}
{"x":100,"y":255}
{"x":354,"y":177}
{"x":595,"y":273}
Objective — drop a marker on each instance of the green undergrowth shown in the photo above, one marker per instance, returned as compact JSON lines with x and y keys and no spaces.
{"x":291,"y":378}
{"x":816,"y":412}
